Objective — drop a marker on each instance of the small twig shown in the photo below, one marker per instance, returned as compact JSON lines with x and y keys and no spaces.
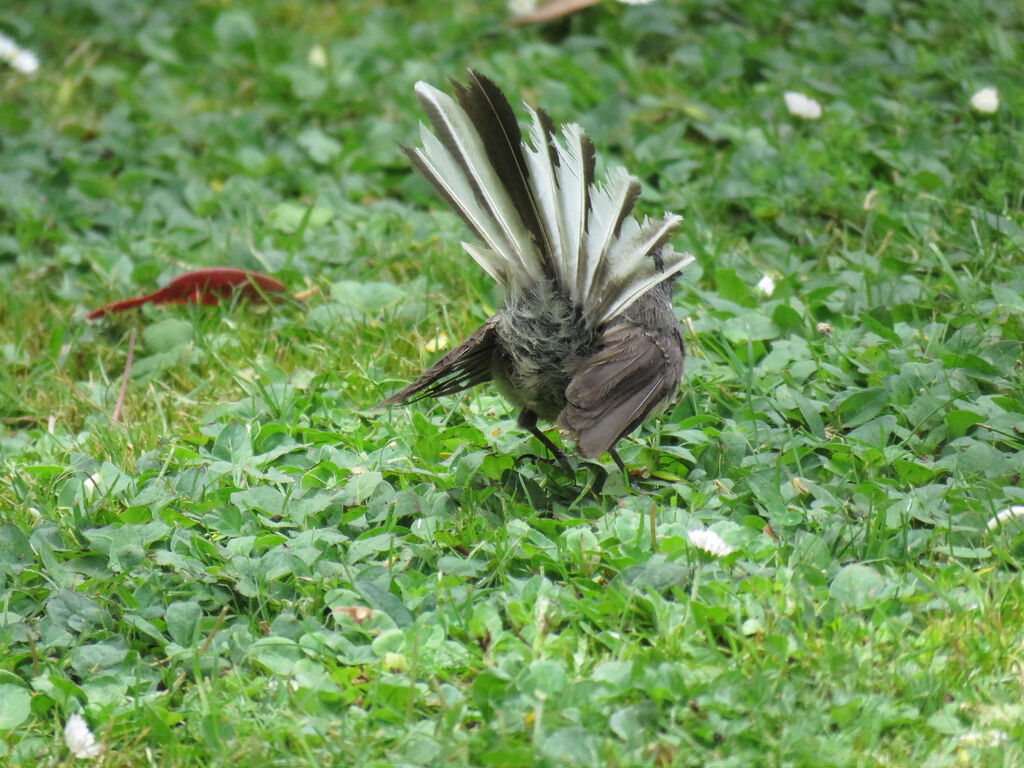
{"x":124,"y":379}
{"x":35,"y":653}
{"x":216,"y":627}
{"x":884,"y":244}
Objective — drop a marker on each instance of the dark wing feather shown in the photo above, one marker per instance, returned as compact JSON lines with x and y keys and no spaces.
{"x":635,"y":372}
{"x":465,"y":366}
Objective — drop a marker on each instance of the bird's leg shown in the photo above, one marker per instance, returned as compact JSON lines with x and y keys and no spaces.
{"x":625,"y":472}
{"x":528,"y":421}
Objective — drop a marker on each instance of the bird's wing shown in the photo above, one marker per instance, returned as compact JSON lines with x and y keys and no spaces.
{"x":635,"y":372}
{"x":465,"y":366}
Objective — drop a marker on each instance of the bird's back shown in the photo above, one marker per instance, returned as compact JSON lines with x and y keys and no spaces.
{"x":541,"y":340}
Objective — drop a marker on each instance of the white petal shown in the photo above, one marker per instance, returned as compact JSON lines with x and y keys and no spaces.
{"x":79,"y":738}
{"x":802,"y":106}
{"x":709,"y":541}
{"x":25,"y":62}
{"x":317,"y":57}
{"x":1010,"y":513}
{"x":986,"y":100}
{"x":766,"y":285}
{"x":8,"y":48}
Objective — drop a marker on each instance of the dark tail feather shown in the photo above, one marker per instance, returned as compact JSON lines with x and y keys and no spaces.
{"x":496,"y":124}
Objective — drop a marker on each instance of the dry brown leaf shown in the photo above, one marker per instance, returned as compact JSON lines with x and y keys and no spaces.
{"x":555,"y":9}
{"x":358,"y":613}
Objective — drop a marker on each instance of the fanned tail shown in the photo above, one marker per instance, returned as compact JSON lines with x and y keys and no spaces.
{"x":536,"y":210}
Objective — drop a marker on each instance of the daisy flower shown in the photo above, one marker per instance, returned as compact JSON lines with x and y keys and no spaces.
{"x":709,"y":541}
{"x":986,"y":100}
{"x":79,"y":738}
{"x":802,"y":106}
{"x":20,"y":58}
{"x":766,"y":285}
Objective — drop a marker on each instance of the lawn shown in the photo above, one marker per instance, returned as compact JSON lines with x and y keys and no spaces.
{"x":242,"y":563}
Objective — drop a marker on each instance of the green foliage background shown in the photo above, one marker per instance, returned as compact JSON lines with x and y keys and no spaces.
{"x":189,"y":577}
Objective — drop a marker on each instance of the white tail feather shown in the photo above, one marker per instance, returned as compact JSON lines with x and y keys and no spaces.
{"x":544,"y":183}
{"x":573,"y":202}
{"x":616,"y":300}
{"x":606,"y":214}
{"x":447,"y":175}
{"x":492,"y":263}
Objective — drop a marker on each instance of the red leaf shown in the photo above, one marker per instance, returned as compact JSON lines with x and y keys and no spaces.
{"x":202,"y":286}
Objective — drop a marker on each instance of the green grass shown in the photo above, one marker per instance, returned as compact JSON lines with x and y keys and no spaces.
{"x":187,"y":577}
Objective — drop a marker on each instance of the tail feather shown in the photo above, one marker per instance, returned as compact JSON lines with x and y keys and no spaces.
{"x":453,"y":186}
{"x":574,"y":176}
{"x":495,"y":122}
{"x":621,"y":277}
{"x":542,"y":159}
{"x":493,"y":264}
{"x":536,"y":209}
{"x":456,"y":158}
{"x":444,"y":173}
{"x":611,"y":204}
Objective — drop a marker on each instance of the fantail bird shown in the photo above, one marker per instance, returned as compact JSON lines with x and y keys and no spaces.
{"x":586,"y":336}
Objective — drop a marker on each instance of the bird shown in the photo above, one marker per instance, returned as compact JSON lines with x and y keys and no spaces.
{"x":585,"y":336}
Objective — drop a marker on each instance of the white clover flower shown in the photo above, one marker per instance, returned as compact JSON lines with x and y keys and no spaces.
{"x":766,"y":285}
{"x":709,"y":541}
{"x":79,"y":738}
{"x":636,"y":2}
{"x":1005,"y":515}
{"x":395,"y":662}
{"x":317,"y":57}
{"x":25,"y":62}
{"x":20,"y":58}
{"x":8,"y":48}
{"x":802,"y":106}
{"x":986,"y":100}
